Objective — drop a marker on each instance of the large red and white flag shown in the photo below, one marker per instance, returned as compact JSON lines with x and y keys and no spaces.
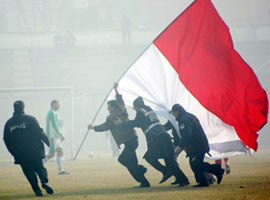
{"x":193,"y":62}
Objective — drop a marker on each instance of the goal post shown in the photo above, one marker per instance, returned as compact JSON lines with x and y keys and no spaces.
{"x":37,"y":101}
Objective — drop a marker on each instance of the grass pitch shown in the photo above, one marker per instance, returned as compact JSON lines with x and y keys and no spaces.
{"x":104,"y":178}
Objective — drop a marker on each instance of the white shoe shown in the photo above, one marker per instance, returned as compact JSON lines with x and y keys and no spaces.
{"x":227,"y":168}
{"x":63,"y":172}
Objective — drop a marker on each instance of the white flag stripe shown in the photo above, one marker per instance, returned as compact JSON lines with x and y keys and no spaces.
{"x":153,"y":78}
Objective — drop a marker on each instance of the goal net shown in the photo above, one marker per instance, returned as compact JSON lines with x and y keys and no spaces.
{"x":37,"y":103}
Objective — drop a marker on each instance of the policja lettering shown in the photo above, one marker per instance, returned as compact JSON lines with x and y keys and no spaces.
{"x":18,"y":126}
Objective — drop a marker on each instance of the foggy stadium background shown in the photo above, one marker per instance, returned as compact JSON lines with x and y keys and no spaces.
{"x":94,"y":56}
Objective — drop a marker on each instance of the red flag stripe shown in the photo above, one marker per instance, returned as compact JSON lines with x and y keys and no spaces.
{"x":199,"y":47}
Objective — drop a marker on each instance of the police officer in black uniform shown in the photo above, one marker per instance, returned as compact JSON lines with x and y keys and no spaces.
{"x":194,"y":142}
{"x":159,"y":144}
{"x":176,"y":141}
{"x":126,"y":136}
{"x":24,"y":140}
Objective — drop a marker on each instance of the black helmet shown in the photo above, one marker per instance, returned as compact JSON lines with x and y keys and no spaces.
{"x":138,"y":102}
{"x":178,"y":107}
{"x":18,"y":106}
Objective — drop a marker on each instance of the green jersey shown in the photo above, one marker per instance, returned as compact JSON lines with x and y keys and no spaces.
{"x":52,"y":128}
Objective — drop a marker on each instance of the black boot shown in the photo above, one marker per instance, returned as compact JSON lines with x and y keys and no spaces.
{"x":218,"y":172}
{"x":175,"y":182}
{"x":202,"y":185}
{"x":48,"y":189}
{"x":38,"y":193}
{"x":184,"y":183}
{"x":161,"y":168}
{"x":138,"y":174}
{"x":220,"y":175}
{"x":144,"y":184}
{"x":165,"y":177}
{"x":144,"y":181}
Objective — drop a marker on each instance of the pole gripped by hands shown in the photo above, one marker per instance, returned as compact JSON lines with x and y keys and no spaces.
{"x":90,"y":127}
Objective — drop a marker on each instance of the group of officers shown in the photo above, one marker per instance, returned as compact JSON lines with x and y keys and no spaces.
{"x":192,"y":140}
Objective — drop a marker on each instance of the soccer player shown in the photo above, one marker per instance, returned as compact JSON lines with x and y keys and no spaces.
{"x":53,"y":126}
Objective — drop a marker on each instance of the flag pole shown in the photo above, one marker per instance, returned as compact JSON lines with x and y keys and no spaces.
{"x":85,"y":136}
{"x":120,"y":79}
{"x":93,"y":120}
{"x":105,"y":99}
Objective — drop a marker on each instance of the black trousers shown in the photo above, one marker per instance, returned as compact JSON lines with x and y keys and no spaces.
{"x":31,"y":170}
{"x":161,"y":147}
{"x":128,"y":158}
{"x":198,"y":167}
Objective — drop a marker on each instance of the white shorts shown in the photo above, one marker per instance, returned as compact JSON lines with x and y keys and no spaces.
{"x":58,"y":143}
{"x":55,"y":144}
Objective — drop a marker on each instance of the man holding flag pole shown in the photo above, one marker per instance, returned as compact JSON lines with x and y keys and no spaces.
{"x":122,"y":135}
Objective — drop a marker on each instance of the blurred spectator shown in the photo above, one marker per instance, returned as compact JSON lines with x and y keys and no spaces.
{"x":126,"y":29}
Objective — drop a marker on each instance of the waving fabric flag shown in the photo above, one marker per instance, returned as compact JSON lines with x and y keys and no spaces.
{"x":193,"y":62}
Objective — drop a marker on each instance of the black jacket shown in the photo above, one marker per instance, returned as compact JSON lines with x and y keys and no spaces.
{"x":145,"y":117}
{"x":24,"y":138}
{"x":193,"y":139}
{"x":120,"y":134}
{"x":176,"y":139}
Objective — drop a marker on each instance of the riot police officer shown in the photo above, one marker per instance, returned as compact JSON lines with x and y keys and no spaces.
{"x":24,"y":140}
{"x":159,"y":144}
{"x":194,"y":142}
